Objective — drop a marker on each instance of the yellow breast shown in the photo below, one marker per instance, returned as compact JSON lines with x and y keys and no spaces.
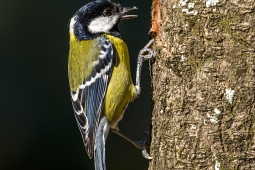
{"x":121,"y":89}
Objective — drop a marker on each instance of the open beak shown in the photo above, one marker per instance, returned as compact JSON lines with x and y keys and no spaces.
{"x":125,"y":11}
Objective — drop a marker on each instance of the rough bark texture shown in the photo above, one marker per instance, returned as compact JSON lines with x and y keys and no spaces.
{"x":203,"y":85}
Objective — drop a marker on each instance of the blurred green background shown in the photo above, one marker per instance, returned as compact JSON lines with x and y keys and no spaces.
{"x":37,"y":126}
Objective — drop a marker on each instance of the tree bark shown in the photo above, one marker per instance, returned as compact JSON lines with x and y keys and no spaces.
{"x":203,"y":84}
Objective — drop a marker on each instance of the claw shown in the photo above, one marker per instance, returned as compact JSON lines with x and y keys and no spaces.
{"x":150,"y":54}
{"x":149,"y":43}
{"x":146,"y":53}
{"x":146,"y":155}
{"x":142,"y":144}
{"x":139,"y":144}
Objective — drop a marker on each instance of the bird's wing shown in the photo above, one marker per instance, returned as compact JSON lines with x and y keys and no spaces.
{"x":88,"y":99}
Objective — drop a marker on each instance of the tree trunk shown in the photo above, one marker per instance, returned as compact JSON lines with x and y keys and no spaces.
{"x":203,"y":84}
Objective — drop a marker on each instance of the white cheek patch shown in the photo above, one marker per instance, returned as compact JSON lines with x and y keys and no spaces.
{"x":72,"y":22}
{"x":102,"y":24}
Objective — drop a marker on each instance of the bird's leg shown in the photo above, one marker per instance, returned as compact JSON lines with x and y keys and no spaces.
{"x":139,"y":144}
{"x":99,"y":147}
{"x":145,"y":54}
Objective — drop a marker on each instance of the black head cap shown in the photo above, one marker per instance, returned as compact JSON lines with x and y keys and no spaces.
{"x":98,"y":17}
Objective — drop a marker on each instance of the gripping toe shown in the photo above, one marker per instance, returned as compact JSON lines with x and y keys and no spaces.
{"x":142,"y":144}
{"x":147,"y":53}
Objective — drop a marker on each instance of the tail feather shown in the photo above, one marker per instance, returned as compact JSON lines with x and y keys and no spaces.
{"x":99,"y":147}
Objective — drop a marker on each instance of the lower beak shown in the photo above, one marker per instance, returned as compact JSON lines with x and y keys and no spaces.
{"x":125,"y":11}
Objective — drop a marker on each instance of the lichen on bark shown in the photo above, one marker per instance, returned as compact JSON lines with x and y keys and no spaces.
{"x":203,"y":85}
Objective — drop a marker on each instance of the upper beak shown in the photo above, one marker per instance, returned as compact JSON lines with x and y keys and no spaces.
{"x":125,"y":11}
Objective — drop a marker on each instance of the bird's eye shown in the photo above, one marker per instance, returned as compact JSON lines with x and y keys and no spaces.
{"x":107,"y":12}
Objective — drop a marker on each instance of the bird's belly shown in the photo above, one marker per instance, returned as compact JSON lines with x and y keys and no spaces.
{"x":118,"y":94}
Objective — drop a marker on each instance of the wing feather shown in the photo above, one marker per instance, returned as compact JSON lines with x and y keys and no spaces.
{"x":88,"y":100}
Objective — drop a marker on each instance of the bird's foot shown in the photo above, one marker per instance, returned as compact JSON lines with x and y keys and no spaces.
{"x":147,"y":53}
{"x":142,"y":143}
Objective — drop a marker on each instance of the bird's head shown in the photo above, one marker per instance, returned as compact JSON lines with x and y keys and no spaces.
{"x":98,"y":17}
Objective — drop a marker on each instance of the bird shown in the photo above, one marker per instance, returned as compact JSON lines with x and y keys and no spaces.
{"x":100,"y":81}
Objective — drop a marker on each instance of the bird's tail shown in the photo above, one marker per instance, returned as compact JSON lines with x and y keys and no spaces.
{"x":99,"y":147}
